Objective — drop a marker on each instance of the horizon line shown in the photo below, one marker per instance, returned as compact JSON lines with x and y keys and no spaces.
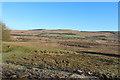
{"x":65,"y":29}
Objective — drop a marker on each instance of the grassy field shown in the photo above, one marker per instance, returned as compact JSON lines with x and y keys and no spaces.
{"x":59,"y":51}
{"x":59,"y":59}
{"x":61,"y":35}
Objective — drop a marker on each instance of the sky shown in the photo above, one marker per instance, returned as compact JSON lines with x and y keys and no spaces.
{"x":60,"y":0}
{"x":82,"y":16}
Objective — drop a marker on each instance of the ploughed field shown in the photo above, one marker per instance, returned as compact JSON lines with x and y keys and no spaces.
{"x":61,"y":54}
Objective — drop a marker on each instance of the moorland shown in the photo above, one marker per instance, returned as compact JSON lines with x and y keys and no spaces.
{"x":41,"y":53}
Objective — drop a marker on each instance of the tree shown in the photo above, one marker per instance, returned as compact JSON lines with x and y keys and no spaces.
{"x":4,"y":32}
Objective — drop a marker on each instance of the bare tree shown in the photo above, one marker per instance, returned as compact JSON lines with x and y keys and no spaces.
{"x":5,"y":32}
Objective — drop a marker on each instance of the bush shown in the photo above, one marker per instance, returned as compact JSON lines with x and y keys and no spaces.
{"x":4,"y":32}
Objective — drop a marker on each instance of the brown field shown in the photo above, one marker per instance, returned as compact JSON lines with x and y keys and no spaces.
{"x":95,"y":53}
{"x":108,"y":45}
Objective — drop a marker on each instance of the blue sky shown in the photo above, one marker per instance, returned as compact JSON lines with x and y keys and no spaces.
{"x":60,"y":0}
{"x":85,"y":16}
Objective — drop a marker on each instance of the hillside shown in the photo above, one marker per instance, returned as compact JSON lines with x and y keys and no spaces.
{"x":103,"y":42}
{"x":61,"y":54}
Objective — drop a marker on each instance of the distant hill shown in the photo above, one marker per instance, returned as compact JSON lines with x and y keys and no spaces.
{"x":37,"y":29}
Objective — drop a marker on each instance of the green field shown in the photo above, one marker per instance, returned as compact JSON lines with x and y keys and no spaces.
{"x":61,"y":35}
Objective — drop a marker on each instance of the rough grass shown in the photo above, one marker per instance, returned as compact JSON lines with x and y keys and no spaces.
{"x":44,"y":58}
